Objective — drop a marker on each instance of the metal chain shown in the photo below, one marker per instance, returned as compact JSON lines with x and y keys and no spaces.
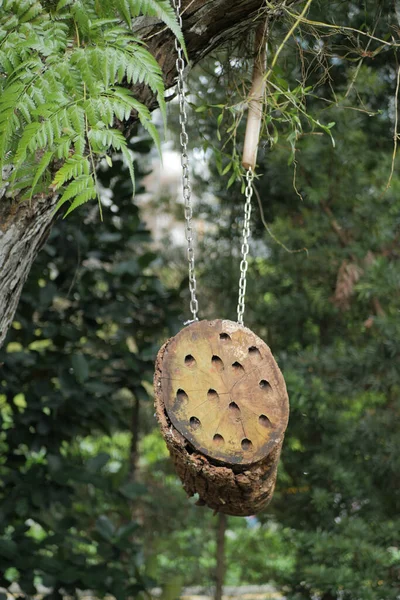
{"x":186,"y":188}
{"x":187,"y":193}
{"x":245,"y":245}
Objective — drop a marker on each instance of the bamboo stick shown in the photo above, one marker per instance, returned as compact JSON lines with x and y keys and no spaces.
{"x":256,"y":98}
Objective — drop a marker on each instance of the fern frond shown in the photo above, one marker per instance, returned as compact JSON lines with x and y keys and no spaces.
{"x":64,"y":71}
{"x":78,"y":185}
{"x":33,"y":11}
{"x":102,"y":139}
{"x":30,"y":132}
{"x":143,"y":113}
{"x":88,"y":194}
{"x":74,"y":167}
{"x":81,"y":15}
{"x":62,"y":4}
{"x":76,"y":116}
{"x":9,"y":122}
{"x":63,"y":147}
{"x":126,"y":153}
{"x":83,"y":61}
{"x":106,"y":110}
{"x":41,"y":168}
{"x":162,"y":9}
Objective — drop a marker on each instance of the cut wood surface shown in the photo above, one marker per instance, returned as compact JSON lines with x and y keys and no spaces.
{"x":223,"y":408}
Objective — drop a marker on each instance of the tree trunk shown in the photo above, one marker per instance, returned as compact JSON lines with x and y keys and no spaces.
{"x":24,"y":227}
{"x":23,"y":231}
{"x":220,"y":556}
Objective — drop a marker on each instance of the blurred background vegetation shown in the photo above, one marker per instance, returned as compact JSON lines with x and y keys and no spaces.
{"x":88,"y":496}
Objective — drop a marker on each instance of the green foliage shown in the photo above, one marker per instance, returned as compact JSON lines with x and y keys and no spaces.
{"x":327,"y":50}
{"x":78,"y":357}
{"x":337,"y":502}
{"x":66,"y":70}
{"x":285,"y":118}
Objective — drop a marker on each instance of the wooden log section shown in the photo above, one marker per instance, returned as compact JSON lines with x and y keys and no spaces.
{"x":223,"y":408}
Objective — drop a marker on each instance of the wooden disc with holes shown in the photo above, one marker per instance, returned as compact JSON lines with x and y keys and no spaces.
{"x":223,"y":408}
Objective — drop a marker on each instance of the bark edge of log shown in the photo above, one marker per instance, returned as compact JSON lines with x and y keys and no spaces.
{"x":238,"y":490}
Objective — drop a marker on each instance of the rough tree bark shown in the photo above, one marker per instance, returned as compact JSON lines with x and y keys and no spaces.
{"x":24,"y":227}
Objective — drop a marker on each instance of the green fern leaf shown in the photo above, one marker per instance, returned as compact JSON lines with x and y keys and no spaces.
{"x":41,"y":168}
{"x":63,"y":147}
{"x":106,"y":110}
{"x":161,"y":9}
{"x":62,"y":4}
{"x":126,"y":153}
{"x":124,"y":10}
{"x":152,"y":130}
{"x":143,"y":114}
{"x":76,"y":117}
{"x":73,"y":167}
{"x":84,"y":182}
{"x":81,"y":59}
{"x":8,"y":120}
{"x":82,"y":198}
{"x":81,"y":16}
{"x":79,"y":142}
{"x":32,"y":12}
{"x":65,"y":67}
{"x":30,"y":132}
{"x":92,"y":111}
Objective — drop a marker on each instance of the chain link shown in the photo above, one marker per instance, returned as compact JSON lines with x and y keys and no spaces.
{"x":245,"y":245}
{"x":186,"y":188}
{"x":187,"y":193}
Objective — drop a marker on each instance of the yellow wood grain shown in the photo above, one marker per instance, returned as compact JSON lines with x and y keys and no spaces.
{"x":224,"y":392}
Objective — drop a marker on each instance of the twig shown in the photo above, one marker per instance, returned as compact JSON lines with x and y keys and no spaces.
{"x":354,"y":78}
{"x":396,"y":133}
{"x":269,"y":230}
{"x":340,"y":28}
{"x":287,"y":36}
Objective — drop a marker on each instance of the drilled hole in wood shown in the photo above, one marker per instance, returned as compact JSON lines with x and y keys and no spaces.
{"x":255,"y":354}
{"x":194,"y":422}
{"x":217,"y":363}
{"x":225,"y":337}
{"x":264,"y":385}
{"x":181,"y":396}
{"x":246,"y":445}
{"x":212,"y":395}
{"x":234,"y":409}
{"x":218,"y":439}
{"x":190,"y":361}
{"x":237,"y":368}
{"x":264,"y":421}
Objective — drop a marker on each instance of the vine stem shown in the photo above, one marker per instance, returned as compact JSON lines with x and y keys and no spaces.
{"x":339,"y":28}
{"x":396,"y":131}
{"x":289,"y":34}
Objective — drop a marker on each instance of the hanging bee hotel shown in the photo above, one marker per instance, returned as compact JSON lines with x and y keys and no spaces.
{"x":220,"y":398}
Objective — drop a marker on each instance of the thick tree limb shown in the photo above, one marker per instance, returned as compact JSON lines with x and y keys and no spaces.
{"x":23,"y":231}
{"x":24,"y":228}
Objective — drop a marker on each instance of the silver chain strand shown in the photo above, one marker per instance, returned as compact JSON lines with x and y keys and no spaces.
{"x":187,"y":194}
{"x":245,"y":245}
{"x":186,"y":188}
